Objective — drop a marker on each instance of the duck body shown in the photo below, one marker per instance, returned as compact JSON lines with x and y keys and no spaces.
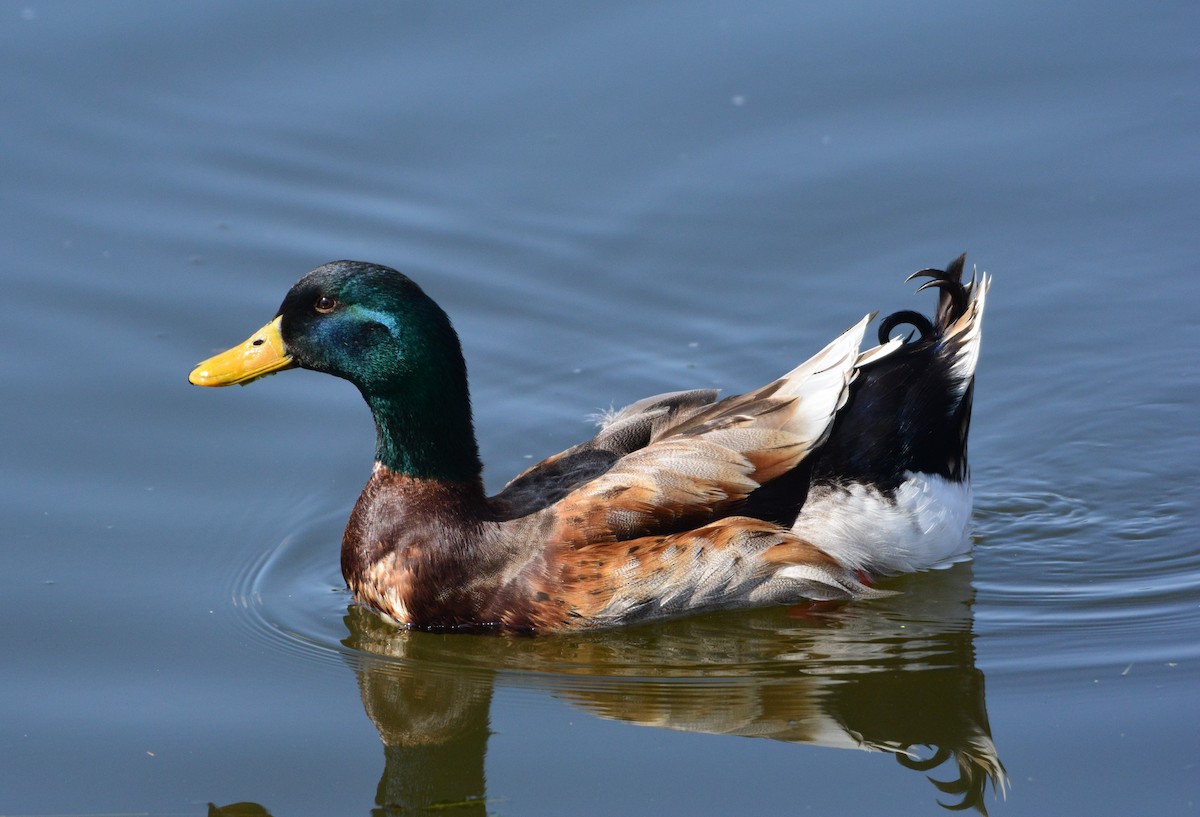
{"x":849,"y":468}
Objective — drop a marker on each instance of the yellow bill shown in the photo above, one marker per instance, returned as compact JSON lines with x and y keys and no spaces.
{"x":261,"y":355}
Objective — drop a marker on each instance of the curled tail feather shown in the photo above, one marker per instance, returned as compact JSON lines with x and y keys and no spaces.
{"x":956,"y":328}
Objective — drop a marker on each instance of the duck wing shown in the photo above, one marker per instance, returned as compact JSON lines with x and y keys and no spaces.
{"x":701,"y":462}
{"x":621,"y":432}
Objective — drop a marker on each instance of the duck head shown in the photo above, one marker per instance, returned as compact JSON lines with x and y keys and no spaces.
{"x":374,"y":327}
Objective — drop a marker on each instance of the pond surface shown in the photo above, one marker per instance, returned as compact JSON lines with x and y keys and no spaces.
{"x":611,"y":200}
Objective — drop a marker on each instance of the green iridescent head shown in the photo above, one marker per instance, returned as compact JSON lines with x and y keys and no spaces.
{"x":375,"y":327}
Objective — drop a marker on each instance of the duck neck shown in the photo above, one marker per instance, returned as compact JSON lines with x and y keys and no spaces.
{"x":426,"y":434}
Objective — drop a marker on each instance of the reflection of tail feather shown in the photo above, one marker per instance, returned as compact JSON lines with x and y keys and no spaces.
{"x":978,"y":764}
{"x":894,"y":712}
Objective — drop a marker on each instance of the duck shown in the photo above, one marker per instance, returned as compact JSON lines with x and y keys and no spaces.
{"x":848,"y":469}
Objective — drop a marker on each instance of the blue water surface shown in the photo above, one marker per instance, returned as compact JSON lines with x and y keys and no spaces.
{"x":611,"y":200}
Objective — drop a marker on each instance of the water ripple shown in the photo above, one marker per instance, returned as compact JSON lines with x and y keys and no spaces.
{"x":292,"y":597}
{"x":1063,"y":580}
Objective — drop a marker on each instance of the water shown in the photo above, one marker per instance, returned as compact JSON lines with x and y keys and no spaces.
{"x":611,"y":201}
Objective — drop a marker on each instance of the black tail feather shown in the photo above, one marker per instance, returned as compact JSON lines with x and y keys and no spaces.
{"x":910,"y":411}
{"x":952,"y":301}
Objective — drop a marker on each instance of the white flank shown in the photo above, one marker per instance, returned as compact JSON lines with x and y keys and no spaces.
{"x":926,"y":525}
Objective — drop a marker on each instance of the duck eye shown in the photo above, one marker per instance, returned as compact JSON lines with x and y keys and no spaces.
{"x":325,"y":304}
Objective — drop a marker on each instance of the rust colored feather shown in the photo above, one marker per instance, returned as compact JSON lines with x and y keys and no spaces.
{"x":733,"y":562}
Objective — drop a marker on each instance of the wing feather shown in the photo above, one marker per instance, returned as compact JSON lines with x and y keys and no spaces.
{"x":712,"y":456}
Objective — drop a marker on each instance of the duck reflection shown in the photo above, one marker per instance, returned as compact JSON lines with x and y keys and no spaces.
{"x":433,"y":722}
{"x":895,"y":675}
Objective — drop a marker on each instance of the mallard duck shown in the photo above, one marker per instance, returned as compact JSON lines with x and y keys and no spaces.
{"x":849,"y":468}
